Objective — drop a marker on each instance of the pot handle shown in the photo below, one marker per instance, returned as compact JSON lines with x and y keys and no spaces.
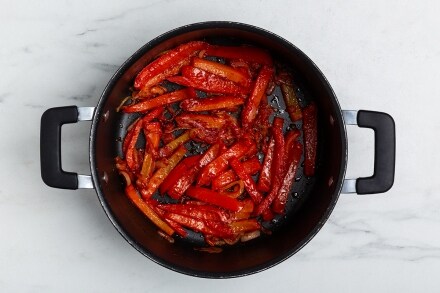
{"x":50,"y":147}
{"x":384,"y":152}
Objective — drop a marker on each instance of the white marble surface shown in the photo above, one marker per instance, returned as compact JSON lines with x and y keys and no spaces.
{"x":378,"y":55}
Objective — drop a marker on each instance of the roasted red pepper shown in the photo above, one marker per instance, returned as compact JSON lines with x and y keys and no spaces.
{"x":192,"y":211}
{"x":208,"y":104}
{"x":196,"y":120}
{"x":259,"y":90}
{"x":249,"y":183}
{"x":251,"y":167}
{"x":194,"y":224}
{"x":294,"y":156}
{"x":166,"y":61}
{"x":266,"y":172}
{"x":278,"y":165}
{"x":205,"y":81}
{"x":131,"y":155}
{"x":249,"y":54}
{"x":245,"y":226}
{"x":212,"y":197}
{"x":160,"y":101}
{"x":222,"y":70}
{"x":291,"y":101}
{"x":188,"y":178}
{"x":162,"y":173}
{"x":221,"y":163}
{"x":310,"y":128}
{"x":184,"y":166}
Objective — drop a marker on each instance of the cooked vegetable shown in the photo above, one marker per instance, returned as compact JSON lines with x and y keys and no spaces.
{"x":206,"y":157}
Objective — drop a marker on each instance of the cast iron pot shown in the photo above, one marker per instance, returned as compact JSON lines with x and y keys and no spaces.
{"x":312,"y":199}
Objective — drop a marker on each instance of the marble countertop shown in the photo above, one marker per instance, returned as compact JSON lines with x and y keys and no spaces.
{"x":377,"y":55}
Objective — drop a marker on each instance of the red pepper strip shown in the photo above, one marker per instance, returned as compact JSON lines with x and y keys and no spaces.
{"x":205,"y":81}
{"x":222,"y":213}
{"x":131,"y":148}
{"x":167,"y":60}
{"x":153,"y":133}
{"x":222,"y":70}
{"x":249,"y":54}
{"x":245,"y":226}
{"x":251,"y":167}
{"x":168,"y":149}
{"x":194,"y":224}
{"x":127,"y":140}
{"x":191,"y":211}
{"x":259,"y":90}
{"x":199,"y":120}
{"x":249,"y":183}
{"x":148,"y":88}
{"x":221,"y":163}
{"x":132,"y":194}
{"x":292,"y":105}
{"x":278,"y":165}
{"x":185,"y":165}
{"x":177,"y":227}
{"x":289,"y":139}
{"x":266,"y":172}
{"x":310,"y":129}
{"x":293,"y":161}
{"x":147,"y":165}
{"x":159,"y":101}
{"x":212,"y":197}
{"x":163,"y":172}
{"x":188,"y":178}
{"x":220,"y":229}
{"x":208,"y":104}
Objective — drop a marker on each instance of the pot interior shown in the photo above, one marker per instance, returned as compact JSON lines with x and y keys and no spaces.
{"x":312,"y":199}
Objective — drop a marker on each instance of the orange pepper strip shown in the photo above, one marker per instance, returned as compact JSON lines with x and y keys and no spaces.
{"x":194,"y":120}
{"x":208,"y":104}
{"x":171,"y":146}
{"x":222,"y":70}
{"x":163,"y":172}
{"x":245,"y":226}
{"x":258,"y":92}
{"x":291,"y":101}
{"x":144,"y":207}
{"x":159,"y":101}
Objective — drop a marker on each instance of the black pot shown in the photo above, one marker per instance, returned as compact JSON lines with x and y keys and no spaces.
{"x":307,"y":212}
